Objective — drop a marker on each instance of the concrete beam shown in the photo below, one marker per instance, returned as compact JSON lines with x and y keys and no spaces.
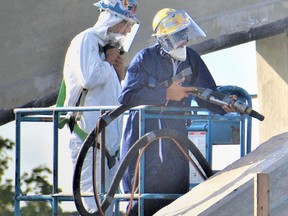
{"x":233,"y":39}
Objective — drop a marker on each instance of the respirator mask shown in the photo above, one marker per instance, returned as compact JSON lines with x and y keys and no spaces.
{"x":179,"y":53}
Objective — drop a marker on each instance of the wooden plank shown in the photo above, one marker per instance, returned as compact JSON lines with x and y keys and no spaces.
{"x":261,"y":194}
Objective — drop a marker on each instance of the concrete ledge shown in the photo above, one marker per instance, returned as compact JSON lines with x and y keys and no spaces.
{"x":230,"y":191}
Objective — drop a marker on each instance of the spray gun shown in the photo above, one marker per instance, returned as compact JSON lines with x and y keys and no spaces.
{"x":222,"y":99}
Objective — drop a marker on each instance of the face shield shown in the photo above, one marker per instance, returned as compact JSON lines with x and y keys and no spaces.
{"x":122,"y":33}
{"x":176,"y":29}
{"x":173,"y":41}
{"x":129,"y":38}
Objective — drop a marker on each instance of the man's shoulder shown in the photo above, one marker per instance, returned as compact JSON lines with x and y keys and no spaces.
{"x":190,"y":49}
{"x":90,"y":32}
{"x":87,"y":35}
{"x":192,"y":52}
{"x":143,"y":53}
{"x":147,"y":49}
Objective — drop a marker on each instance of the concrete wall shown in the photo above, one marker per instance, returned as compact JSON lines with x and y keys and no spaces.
{"x":33,"y":39}
{"x":272,"y":67}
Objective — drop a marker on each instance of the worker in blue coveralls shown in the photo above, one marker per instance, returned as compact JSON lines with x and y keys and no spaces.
{"x":146,"y":83}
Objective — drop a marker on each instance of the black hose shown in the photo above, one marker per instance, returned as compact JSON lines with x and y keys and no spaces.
{"x":134,"y":150}
{"x":146,"y":139}
{"x":106,"y":119}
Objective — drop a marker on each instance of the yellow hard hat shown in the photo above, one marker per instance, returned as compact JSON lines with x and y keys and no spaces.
{"x":174,"y":28}
{"x":169,"y":21}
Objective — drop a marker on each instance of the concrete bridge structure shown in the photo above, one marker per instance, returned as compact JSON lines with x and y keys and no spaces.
{"x":35,"y":35}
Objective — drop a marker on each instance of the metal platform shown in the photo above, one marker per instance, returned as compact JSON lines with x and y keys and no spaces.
{"x":51,"y":115}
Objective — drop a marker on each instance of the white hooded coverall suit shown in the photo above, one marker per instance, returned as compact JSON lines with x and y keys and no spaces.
{"x":85,"y":67}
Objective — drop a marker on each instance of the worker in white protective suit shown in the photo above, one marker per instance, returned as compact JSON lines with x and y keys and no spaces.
{"x":93,"y":69}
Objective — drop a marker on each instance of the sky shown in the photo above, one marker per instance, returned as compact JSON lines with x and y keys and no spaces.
{"x":231,"y":66}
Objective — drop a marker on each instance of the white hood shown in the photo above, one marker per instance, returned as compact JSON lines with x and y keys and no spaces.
{"x":105,"y":21}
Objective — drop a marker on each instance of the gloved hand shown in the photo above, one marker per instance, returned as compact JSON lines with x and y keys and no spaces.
{"x":176,"y":92}
{"x":114,"y":57}
{"x":119,"y":67}
{"x":230,"y":107}
{"x":111,"y":55}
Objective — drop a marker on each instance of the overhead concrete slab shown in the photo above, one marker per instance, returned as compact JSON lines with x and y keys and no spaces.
{"x":231,"y":191}
{"x":35,"y":35}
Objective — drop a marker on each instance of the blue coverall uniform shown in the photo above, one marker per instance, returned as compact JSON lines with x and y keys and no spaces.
{"x":166,"y":169}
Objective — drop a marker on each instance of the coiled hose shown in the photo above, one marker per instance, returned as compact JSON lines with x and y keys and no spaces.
{"x":134,"y":150}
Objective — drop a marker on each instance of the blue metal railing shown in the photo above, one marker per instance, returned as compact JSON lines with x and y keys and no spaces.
{"x":51,"y":115}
